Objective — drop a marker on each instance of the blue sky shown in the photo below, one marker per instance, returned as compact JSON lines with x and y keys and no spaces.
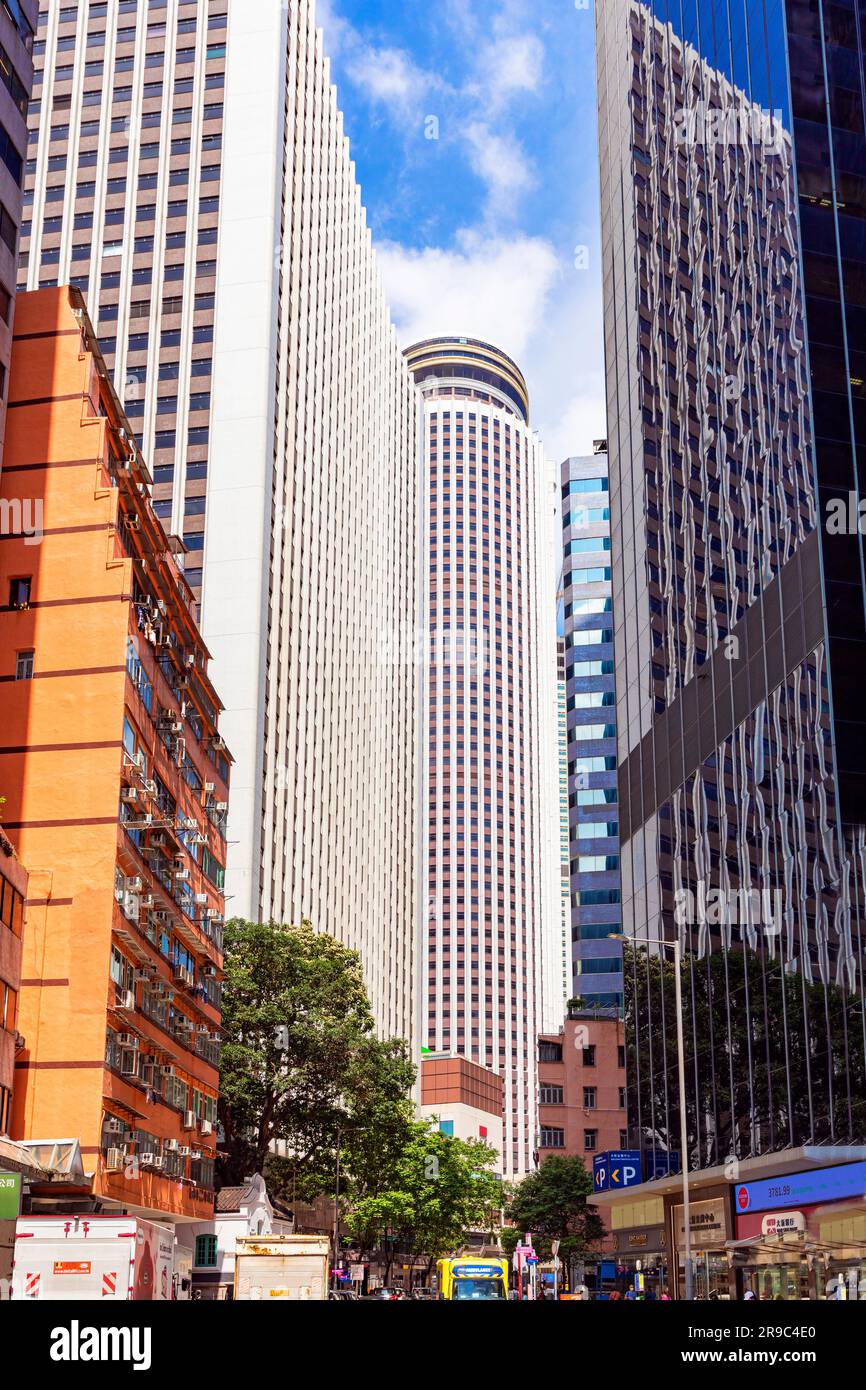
{"x":472,"y":125}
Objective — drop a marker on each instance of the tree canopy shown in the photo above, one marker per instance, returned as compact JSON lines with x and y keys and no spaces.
{"x":438,"y":1188}
{"x":301,"y":1065}
{"x":551,"y":1204}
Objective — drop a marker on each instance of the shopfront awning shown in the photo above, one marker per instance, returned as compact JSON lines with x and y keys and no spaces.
{"x":746,"y":1170}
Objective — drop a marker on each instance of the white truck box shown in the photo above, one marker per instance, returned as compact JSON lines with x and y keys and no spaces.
{"x":281,"y":1267}
{"x":86,"y":1258}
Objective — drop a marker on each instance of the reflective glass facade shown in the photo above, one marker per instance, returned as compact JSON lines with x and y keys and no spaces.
{"x":734,"y":207}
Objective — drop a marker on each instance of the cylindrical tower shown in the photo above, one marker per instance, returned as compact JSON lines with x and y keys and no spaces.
{"x":485,"y":699}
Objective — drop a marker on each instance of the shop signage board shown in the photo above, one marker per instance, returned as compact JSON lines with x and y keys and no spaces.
{"x":783,"y":1223}
{"x":646,"y":1240}
{"x":802,"y":1189}
{"x":708,"y":1221}
{"x":10,"y":1196}
{"x":660,"y":1164}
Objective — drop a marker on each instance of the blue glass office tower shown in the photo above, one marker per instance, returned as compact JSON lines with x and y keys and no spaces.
{"x":591,"y":730}
{"x":733,"y":182}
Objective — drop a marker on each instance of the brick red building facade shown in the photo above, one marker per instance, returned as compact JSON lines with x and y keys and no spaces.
{"x":581,"y":1088}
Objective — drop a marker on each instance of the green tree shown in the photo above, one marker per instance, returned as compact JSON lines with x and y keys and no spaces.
{"x":300,"y":1062}
{"x":438,"y":1189}
{"x":551,"y":1204}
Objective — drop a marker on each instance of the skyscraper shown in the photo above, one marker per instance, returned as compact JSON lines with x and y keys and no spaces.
{"x":189,"y":172}
{"x":17,"y":32}
{"x":590,"y":712}
{"x":122,"y":197}
{"x":561,"y":967}
{"x":489,"y":728}
{"x":732,"y":150}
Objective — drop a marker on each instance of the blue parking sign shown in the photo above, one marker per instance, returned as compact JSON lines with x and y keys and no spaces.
{"x":616,"y":1169}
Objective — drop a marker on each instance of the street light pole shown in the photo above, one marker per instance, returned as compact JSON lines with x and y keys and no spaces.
{"x":681,"y":1081}
{"x":336,"y":1214}
{"x":681,"y":1077}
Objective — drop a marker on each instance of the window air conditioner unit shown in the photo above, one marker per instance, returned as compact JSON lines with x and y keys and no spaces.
{"x":127,"y":999}
{"x":209,"y":787}
{"x":148,"y":1160}
{"x":207,"y":1127}
{"x":114,"y":1160}
{"x":201,"y":899}
{"x":133,"y":885}
{"x":129,"y":795}
{"x":189,"y":1119}
{"x":128,"y":1040}
{"x":114,"y":1125}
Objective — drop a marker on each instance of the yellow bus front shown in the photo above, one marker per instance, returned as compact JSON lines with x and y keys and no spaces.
{"x":473,"y":1280}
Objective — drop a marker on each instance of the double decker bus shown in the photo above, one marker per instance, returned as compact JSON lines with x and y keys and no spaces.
{"x":473,"y":1279}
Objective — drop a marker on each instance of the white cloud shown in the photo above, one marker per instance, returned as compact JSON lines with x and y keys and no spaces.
{"x":388,"y":76}
{"x":486,"y":288}
{"x":509,"y":66}
{"x":500,"y":65}
{"x":501,"y":163}
{"x":517,"y":293}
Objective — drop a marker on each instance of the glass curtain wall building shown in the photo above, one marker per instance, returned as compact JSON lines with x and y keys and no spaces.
{"x":590,"y":713}
{"x":733,"y":175}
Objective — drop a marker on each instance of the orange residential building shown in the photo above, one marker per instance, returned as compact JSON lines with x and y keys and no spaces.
{"x":116,"y":786}
{"x":13,"y":891}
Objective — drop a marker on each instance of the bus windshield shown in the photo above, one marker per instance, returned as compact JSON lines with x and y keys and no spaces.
{"x":479,"y":1288}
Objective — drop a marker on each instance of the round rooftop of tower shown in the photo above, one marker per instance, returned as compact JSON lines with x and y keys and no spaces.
{"x":467,"y":366}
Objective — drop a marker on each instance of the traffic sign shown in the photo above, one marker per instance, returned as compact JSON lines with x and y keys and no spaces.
{"x":616,"y":1169}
